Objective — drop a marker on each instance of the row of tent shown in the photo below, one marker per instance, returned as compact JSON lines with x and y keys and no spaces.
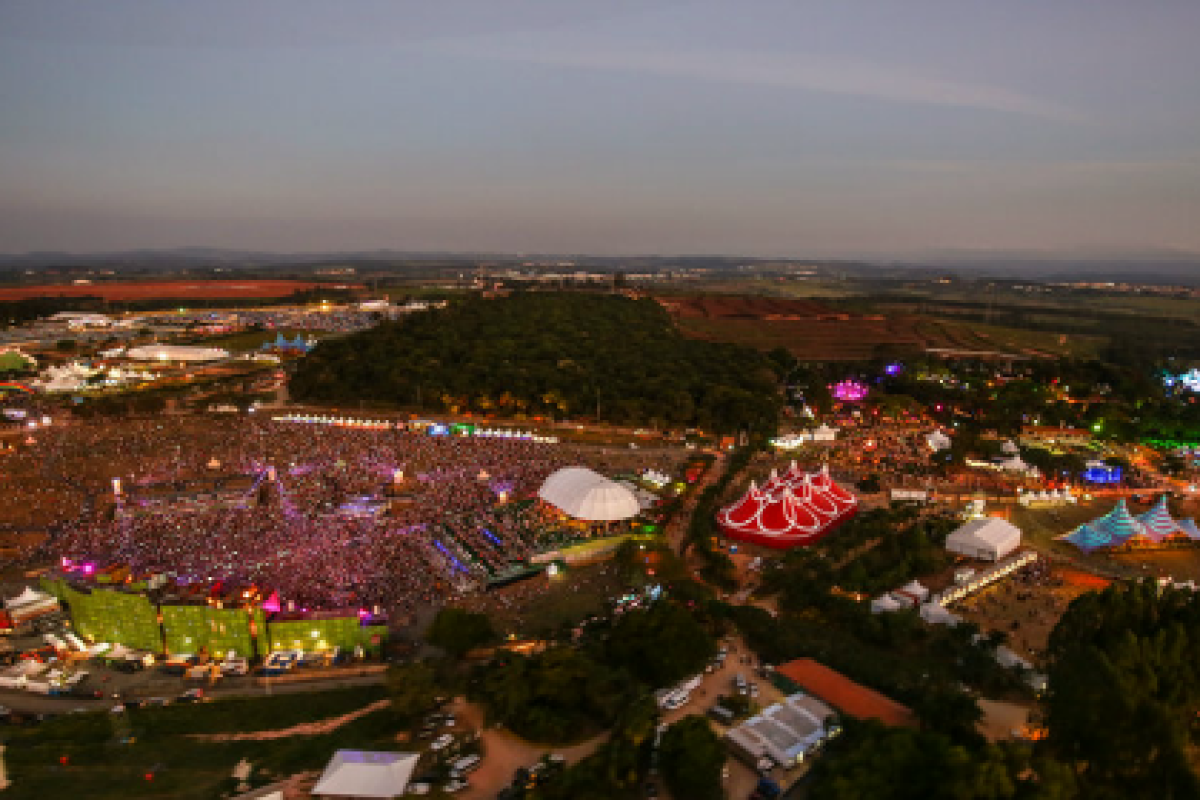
{"x":791,"y":509}
{"x":281,"y":343}
{"x":1053,"y":497}
{"x":1120,"y":527}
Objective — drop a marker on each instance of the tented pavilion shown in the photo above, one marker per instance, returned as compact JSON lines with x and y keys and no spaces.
{"x":586,"y":495}
{"x":986,"y":538}
{"x":795,"y":508}
{"x":1119,"y":528}
{"x":366,"y":774}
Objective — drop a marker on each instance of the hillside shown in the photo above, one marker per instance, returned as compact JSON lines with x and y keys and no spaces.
{"x":555,"y":355}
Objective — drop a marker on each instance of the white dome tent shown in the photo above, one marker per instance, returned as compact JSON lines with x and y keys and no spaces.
{"x":581,"y":493}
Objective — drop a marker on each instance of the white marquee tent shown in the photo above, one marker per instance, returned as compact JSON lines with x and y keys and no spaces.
{"x":581,"y":493}
{"x":362,"y":773}
{"x":170,"y":352}
{"x":987,"y":538}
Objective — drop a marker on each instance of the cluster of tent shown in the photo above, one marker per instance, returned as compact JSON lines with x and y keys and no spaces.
{"x":1055,"y":497}
{"x":340,"y":422}
{"x":796,"y":508}
{"x":793,"y":440}
{"x":1119,"y":527}
{"x":297,"y":345}
{"x":656,"y":478}
{"x":505,"y":433}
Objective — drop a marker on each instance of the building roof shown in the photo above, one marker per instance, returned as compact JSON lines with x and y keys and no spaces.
{"x":363,"y":773}
{"x":844,"y":694}
{"x":581,"y":493}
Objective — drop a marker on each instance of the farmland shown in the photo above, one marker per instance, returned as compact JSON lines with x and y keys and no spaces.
{"x":814,"y":331}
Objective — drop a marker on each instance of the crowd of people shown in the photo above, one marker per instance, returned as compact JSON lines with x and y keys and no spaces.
{"x":326,"y":516}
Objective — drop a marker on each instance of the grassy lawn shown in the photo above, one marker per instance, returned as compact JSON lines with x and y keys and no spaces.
{"x":100,"y":766}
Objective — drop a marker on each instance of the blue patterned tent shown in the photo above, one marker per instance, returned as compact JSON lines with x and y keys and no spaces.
{"x":1158,"y":521}
{"x":1088,"y":539}
{"x":1188,"y":528}
{"x":1119,"y":525}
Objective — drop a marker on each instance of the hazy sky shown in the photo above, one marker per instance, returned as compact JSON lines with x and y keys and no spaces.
{"x":770,"y":127}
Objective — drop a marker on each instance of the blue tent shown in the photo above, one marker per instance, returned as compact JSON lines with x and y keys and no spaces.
{"x":1087,"y":538}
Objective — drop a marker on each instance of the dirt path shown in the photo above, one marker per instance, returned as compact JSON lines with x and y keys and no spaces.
{"x":305,"y":729}
{"x":505,"y":752}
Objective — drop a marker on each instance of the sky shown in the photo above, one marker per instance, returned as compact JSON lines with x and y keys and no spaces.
{"x":795,"y":128}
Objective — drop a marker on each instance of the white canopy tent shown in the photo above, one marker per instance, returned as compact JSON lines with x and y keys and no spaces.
{"x":938,"y":441}
{"x":170,"y":352}
{"x":362,"y":773}
{"x":987,"y":538}
{"x":581,"y":493}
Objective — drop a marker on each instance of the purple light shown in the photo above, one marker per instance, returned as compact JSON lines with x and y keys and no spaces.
{"x":893,"y":369}
{"x":88,"y":569}
{"x":850,"y":391}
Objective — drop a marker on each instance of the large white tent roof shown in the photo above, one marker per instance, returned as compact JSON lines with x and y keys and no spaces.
{"x":171,"y":352}
{"x":985,"y":534}
{"x":581,"y":493}
{"x":362,"y":773}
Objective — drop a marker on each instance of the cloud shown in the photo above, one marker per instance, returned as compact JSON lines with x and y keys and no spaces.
{"x":781,"y":70}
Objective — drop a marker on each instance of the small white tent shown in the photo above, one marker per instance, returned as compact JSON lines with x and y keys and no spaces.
{"x":987,"y":538}
{"x":938,"y":441}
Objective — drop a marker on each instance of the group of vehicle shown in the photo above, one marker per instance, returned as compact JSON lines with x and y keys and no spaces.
{"x":528,"y":778}
{"x":452,"y":765}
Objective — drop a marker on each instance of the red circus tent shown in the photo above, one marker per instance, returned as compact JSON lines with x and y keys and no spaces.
{"x":795,"y":508}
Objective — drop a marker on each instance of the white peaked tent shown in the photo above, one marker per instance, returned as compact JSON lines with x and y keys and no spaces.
{"x":987,"y":538}
{"x":361,"y":773}
{"x":938,"y":441}
{"x":27,"y":597}
{"x":581,"y":493}
{"x":914,"y":589}
{"x":885,"y":603}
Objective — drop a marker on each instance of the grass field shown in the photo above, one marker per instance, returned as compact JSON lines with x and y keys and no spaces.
{"x":99,"y":766}
{"x":860,"y":338}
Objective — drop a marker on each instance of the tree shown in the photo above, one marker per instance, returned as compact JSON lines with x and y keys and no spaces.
{"x":660,"y":644}
{"x":458,"y":631}
{"x":413,"y":689}
{"x":692,"y":756}
{"x":952,"y":712}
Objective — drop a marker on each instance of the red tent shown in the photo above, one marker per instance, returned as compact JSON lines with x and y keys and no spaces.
{"x":795,"y":508}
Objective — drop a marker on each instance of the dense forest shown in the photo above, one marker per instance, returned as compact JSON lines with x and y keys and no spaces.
{"x":555,"y":355}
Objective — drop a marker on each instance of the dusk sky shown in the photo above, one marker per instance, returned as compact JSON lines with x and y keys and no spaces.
{"x":885,"y":128}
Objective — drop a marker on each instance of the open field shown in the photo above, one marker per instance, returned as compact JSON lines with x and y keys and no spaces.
{"x":812,"y":330}
{"x":1028,"y":611}
{"x":143,"y":290}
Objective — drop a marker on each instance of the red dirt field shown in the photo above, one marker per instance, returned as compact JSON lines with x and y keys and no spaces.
{"x":845,"y":695}
{"x":142,"y":290}
{"x":745,"y":307}
{"x":1084,"y":580}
